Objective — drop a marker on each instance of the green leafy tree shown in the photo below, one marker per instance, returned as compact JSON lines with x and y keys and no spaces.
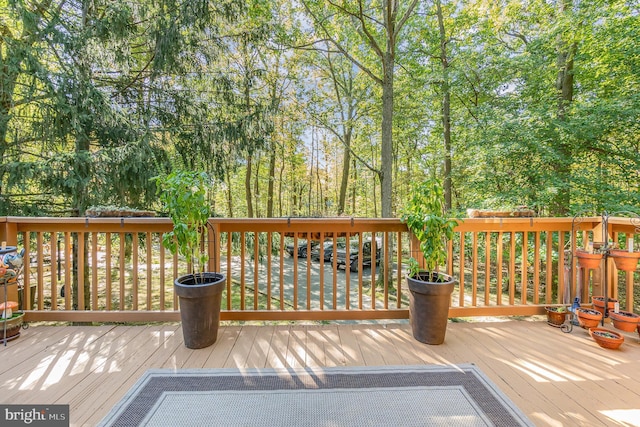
{"x":378,"y":27}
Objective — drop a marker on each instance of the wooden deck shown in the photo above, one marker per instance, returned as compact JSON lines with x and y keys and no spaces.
{"x":556,"y":379}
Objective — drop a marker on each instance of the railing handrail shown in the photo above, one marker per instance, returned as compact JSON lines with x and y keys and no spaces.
{"x":492,"y":262}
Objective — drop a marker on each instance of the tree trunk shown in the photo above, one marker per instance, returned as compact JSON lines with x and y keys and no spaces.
{"x":353,"y":189}
{"x":560,"y":204}
{"x":81,"y":168}
{"x":346,"y":165}
{"x":281,"y":182}
{"x":256,"y":187}
{"x":229,"y":193}
{"x":446,"y":109}
{"x":247,"y":187}
{"x":272,"y":178}
{"x":314,"y":141}
{"x":386,"y":177}
{"x":7,"y":85}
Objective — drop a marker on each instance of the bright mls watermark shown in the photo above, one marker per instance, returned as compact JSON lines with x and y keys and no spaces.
{"x":34,"y":415}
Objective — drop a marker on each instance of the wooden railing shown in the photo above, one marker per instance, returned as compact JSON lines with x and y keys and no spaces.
{"x":115,"y":269}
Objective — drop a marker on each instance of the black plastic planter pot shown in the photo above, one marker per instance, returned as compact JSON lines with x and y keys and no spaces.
{"x":200,"y":307}
{"x":429,"y":307}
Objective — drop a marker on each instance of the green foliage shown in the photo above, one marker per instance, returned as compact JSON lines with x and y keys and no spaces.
{"x":95,"y":97}
{"x":183,"y":196}
{"x":425,"y":217}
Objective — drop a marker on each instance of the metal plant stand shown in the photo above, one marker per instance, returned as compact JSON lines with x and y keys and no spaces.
{"x":604,"y":248}
{"x":635,"y":221}
{"x":5,"y":281}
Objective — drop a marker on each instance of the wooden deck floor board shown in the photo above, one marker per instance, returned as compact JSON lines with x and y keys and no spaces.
{"x":242,"y":347}
{"x":42,"y":336}
{"x":373,"y":356}
{"x":62,"y":365}
{"x":296,"y":350}
{"x":110,"y":390}
{"x":89,"y":359}
{"x":277,"y":354}
{"x":332,"y":346}
{"x":316,"y":355}
{"x":220,"y":351}
{"x":350,"y":346}
{"x":551,"y":372}
{"x":556,"y":379}
{"x":572,"y":369}
{"x":262,"y":341}
{"x":490,"y":356}
{"x":51,"y":340}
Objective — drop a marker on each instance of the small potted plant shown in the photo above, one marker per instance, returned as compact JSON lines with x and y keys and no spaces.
{"x":10,"y":321}
{"x":430,"y":289}
{"x":183,"y":196}
{"x":625,"y":320}
{"x":606,"y":338}
{"x":625,"y":260}
{"x":588,"y":260}
{"x":588,"y":318}
{"x":598,"y":304}
{"x":556,"y":316}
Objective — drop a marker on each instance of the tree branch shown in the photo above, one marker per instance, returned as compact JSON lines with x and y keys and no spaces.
{"x":405,"y":17}
{"x":357,"y":63}
{"x":517,"y":35}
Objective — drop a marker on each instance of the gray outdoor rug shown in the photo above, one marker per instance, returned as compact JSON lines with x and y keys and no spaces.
{"x":357,"y":396}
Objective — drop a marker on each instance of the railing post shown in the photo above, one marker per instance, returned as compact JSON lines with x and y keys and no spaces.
{"x":9,"y":232}
{"x":9,"y":236}
{"x":213,"y":246}
{"x":597,"y":276}
{"x":416,"y":253}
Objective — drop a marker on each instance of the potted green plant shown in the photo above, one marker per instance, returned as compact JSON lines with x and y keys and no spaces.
{"x":430,"y":289}
{"x":556,"y":316}
{"x":10,"y":321}
{"x":588,"y":318}
{"x":183,"y":196}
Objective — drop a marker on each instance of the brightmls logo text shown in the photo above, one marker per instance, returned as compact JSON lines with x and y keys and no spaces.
{"x":34,"y":415}
{"x":26,"y":416}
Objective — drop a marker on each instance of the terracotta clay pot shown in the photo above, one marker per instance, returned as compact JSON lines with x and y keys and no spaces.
{"x":13,"y":326}
{"x":606,"y":338}
{"x":625,"y":320}
{"x":588,"y":318}
{"x":556,"y":316}
{"x":588,"y":260}
{"x":598,"y":304}
{"x":626,"y":261}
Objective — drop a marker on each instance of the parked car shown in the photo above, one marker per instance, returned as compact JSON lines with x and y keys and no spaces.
{"x":354,"y":255}
{"x":328,"y":250}
{"x":302,"y":247}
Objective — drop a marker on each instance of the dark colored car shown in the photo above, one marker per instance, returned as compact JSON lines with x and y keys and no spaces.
{"x":328,"y":250}
{"x":302,"y":247}
{"x":354,"y":256}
